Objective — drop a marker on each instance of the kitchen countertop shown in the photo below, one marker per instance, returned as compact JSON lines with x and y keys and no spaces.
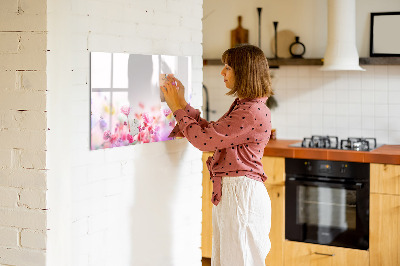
{"x":389,"y":154}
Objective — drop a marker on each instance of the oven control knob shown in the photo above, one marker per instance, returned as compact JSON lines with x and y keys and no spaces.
{"x":308,"y":166}
{"x":343,"y":168}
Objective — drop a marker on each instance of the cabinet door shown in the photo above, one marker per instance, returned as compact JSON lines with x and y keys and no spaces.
{"x":384,"y":230}
{"x":385,"y":178}
{"x":274,"y":168}
{"x":206,"y":232}
{"x":304,"y":254}
{"x":277,"y":233}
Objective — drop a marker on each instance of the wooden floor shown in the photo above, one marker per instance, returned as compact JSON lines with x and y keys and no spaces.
{"x":206,"y":261}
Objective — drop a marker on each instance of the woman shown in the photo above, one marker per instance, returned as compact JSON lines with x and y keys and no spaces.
{"x":242,"y":208}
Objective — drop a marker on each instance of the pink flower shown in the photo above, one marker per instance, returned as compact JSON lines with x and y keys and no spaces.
{"x":125,"y":110}
{"x":113,"y":138}
{"x":106,"y":135}
{"x":167,"y":112}
{"x":130,"y":138}
{"x":171,"y":124}
{"x":146,"y":118}
{"x":123,"y":136}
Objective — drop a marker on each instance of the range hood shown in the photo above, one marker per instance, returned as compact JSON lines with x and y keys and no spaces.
{"x":341,"y":51}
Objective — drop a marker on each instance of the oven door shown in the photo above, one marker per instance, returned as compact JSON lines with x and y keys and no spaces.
{"x":327,"y":213}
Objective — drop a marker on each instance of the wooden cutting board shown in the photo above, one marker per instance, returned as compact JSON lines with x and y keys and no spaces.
{"x":239,"y":35}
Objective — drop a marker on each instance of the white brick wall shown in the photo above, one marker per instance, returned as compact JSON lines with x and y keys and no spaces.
{"x":23,"y":128}
{"x":138,"y":205}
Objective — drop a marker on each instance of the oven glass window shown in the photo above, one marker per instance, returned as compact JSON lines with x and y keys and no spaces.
{"x":327,"y":207}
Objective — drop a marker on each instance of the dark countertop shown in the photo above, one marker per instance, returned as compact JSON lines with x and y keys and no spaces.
{"x":389,"y":154}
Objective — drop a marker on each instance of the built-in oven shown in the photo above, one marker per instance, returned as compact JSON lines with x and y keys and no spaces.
{"x":327,"y":202}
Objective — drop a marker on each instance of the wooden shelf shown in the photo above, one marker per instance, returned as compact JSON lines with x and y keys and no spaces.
{"x":380,"y":61}
{"x":274,"y":63}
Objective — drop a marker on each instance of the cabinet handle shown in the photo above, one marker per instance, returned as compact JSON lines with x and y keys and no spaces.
{"x":324,"y":254}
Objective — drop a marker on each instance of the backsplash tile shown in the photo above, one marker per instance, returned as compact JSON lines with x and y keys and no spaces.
{"x":314,"y":102}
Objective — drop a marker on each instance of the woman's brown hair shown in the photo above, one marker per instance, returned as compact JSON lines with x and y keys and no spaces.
{"x":250,"y":66}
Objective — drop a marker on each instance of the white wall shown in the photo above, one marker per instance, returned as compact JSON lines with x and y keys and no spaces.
{"x":137,"y":205}
{"x":306,"y":19}
{"x":23,"y":133}
{"x":311,"y":102}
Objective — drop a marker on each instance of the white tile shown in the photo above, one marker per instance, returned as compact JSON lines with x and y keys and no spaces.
{"x":354,"y":83}
{"x":342,"y":122}
{"x":342,"y":81}
{"x":381,"y":97}
{"x":394,"y":83}
{"x":355,"y":96}
{"x":394,"y":97}
{"x":291,"y":71}
{"x":328,"y":74}
{"x":355,"y":122}
{"x":317,"y":95}
{"x":342,"y":109}
{"x":329,"y":94}
{"x":317,"y":121}
{"x":304,"y":82}
{"x":394,"y":70}
{"x":317,"y":131}
{"x":381,"y":123}
{"x":368,"y":122}
{"x":367,"y":133}
{"x":329,"y":109}
{"x":394,"y":110}
{"x":304,"y":72}
{"x":355,"y":109}
{"x":367,"y":83}
{"x":380,"y":71}
{"x":381,"y":110}
{"x":292,"y":83}
{"x":317,"y":107}
{"x":382,"y":136}
{"x":394,"y":123}
{"x":367,"y":96}
{"x":367,"y":110}
{"x":316,"y":82}
{"x":293,"y":120}
{"x":381,"y":84}
{"x":394,"y":137}
{"x":342,"y":133}
{"x":329,"y":121}
{"x":316,"y":72}
{"x":355,"y":132}
{"x":342,"y":96}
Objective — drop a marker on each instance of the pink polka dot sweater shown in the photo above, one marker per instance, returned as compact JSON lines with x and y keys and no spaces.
{"x":238,"y":139}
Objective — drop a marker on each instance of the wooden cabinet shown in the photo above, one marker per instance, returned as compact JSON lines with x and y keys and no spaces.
{"x":206,"y":226}
{"x":274,"y":168}
{"x":385,"y":215}
{"x":277,"y":233}
{"x":304,"y":254}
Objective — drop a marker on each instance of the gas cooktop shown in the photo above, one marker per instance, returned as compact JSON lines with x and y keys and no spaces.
{"x":332,"y":142}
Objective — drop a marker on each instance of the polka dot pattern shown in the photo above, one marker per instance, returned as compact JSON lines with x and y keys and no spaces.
{"x":238,"y":139}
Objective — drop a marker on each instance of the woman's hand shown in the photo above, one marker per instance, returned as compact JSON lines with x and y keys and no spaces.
{"x":171,"y":94}
{"x":181,"y":90}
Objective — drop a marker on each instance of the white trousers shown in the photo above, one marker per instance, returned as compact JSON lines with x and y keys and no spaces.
{"x":241,"y":223}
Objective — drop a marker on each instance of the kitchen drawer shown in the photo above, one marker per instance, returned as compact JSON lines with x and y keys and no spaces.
{"x":305,"y":254}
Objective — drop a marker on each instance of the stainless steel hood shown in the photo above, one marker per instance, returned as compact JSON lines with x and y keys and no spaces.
{"x":341,"y":51}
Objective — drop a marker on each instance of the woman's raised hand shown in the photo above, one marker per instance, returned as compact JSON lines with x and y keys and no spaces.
{"x":173,"y":93}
